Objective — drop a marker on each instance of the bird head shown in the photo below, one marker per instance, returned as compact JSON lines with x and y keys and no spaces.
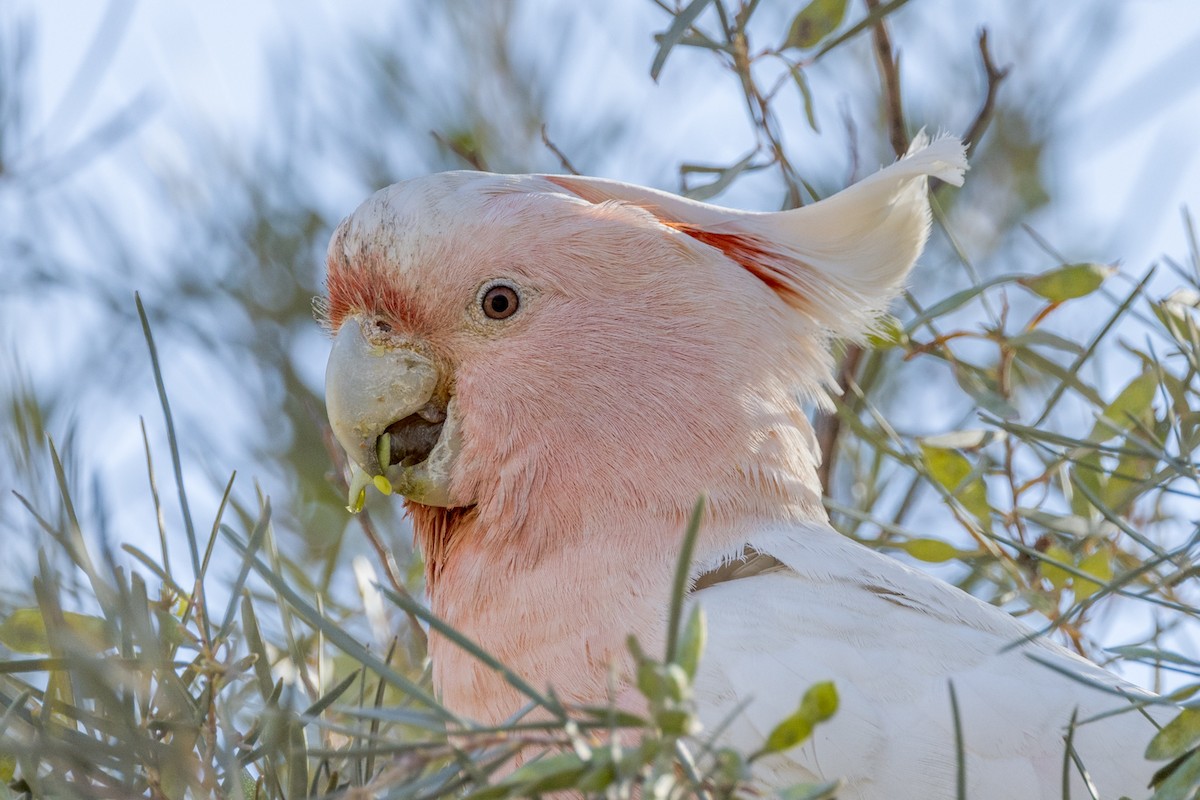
{"x":551,"y":347}
{"x":552,"y":369}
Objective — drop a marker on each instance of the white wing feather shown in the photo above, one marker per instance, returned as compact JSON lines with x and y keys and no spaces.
{"x":893,"y":639}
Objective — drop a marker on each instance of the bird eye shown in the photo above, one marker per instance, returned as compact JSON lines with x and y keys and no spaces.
{"x":500,"y":302}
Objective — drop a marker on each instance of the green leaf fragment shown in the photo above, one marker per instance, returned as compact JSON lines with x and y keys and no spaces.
{"x":24,"y":631}
{"x":1178,"y":780}
{"x":812,"y":791}
{"x":691,"y":641}
{"x":933,"y":551}
{"x":1069,"y":281}
{"x":952,"y":470}
{"x":809,"y":109}
{"x":679,"y":26}
{"x":888,"y":333}
{"x":1176,"y":737}
{"x":1098,"y":565}
{"x":815,"y":21}
{"x":819,"y":703}
{"x":1058,"y":577}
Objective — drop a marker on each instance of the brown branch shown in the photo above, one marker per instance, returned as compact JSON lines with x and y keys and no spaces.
{"x":566,"y":162}
{"x":994,"y":77}
{"x":829,"y":426}
{"x":889,"y":76}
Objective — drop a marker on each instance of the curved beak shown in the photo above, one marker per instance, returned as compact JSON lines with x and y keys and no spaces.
{"x":380,"y":397}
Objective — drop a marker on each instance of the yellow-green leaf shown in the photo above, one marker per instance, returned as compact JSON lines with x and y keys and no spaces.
{"x":1058,"y":577}
{"x":24,"y":631}
{"x":948,"y":467}
{"x":1098,"y":565}
{"x":1176,"y":737}
{"x":951,"y":468}
{"x":1134,"y":403}
{"x":932,"y":550}
{"x":819,"y":703}
{"x":691,"y":641}
{"x":812,"y":791}
{"x":815,"y":21}
{"x":888,"y":333}
{"x":1068,"y":282}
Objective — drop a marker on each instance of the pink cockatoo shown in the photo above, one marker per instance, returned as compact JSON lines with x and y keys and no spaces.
{"x":562,"y":365}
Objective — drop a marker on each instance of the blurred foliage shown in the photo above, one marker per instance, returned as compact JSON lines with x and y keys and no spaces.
{"x":283,"y":655}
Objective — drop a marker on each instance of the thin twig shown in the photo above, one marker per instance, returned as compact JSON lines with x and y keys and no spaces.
{"x":473,"y":157}
{"x":829,"y":426}
{"x":994,"y":77}
{"x":562,"y":157}
{"x":889,"y":75}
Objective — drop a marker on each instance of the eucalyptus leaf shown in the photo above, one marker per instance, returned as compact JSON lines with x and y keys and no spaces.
{"x":1176,"y":737}
{"x":815,"y":21}
{"x":1069,"y":281}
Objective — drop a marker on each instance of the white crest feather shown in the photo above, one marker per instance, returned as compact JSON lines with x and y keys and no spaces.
{"x":840,"y":260}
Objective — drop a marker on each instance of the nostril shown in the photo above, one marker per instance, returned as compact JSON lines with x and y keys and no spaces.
{"x":385,"y":327}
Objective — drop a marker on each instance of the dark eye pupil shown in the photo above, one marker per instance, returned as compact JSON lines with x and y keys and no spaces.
{"x":501,"y":302}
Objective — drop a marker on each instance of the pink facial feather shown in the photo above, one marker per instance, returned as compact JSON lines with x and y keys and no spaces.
{"x":658,"y":356}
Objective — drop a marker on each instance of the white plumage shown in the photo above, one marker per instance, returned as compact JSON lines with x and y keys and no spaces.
{"x":893,"y":640}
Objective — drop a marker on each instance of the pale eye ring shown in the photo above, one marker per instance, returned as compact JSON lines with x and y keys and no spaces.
{"x":499,"y":301}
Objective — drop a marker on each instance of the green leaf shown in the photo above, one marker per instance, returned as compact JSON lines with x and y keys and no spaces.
{"x":952,"y":469}
{"x":1176,"y":737}
{"x":806,"y":94}
{"x":24,"y":631}
{"x":1045,"y":338}
{"x":888,"y":333}
{"x":548,"y":774}
{"x":811,"y":791}
{"x":1099,"y":565}
{"x":297,"y":760}
{"x":1068,"y":282}
{"x":933,"y":551}
{"x":948,"y":467}
{"x":1126,"y":482}
{"x":819,"y":703}
{"x":1089,"y":471}
{"x":691,"y":643}
{"x":1178,"y":781}
{"x":1058,"y":577}
{"x":815,"y":21}
{"x":1134,"y":403}
{"x":725,"y":176}
{"x":984,"y":393}
{"x":683,"y":20}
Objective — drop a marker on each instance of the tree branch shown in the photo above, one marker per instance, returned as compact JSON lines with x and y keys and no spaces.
{"x":994,"y":78}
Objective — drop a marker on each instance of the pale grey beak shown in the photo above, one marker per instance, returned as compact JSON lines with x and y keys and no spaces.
{"x":380,"y":397}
